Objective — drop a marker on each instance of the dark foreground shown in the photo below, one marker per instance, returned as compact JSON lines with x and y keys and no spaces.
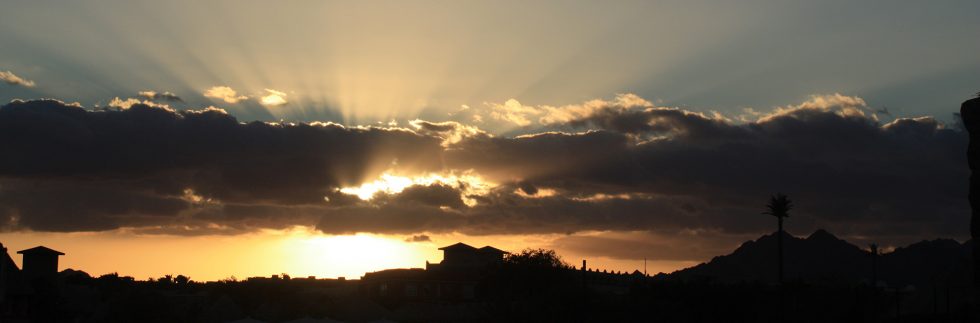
{"x":827,"y":280}
{"x":555,"y":295}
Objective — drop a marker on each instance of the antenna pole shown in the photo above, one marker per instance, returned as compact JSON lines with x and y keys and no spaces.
{"x":644,"y":266}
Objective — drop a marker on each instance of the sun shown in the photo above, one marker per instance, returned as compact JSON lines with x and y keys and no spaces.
{"x":468,"y":182}
{"x":351,"y":255}
{"x":386,"y":183}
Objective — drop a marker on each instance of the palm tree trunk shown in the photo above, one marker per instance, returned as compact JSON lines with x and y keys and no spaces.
{"x":779,"y":247}
{"x":970,"y":114}
{"x":974,"y":197}
{"x":779,"y":258}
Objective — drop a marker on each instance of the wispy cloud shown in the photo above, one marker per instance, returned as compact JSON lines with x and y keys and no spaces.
{"x":130,"y":102}
{"x":12,"y":79}
{"x":224,"y":93}
{"x":273,"y":98}
{"x":524,"y":115}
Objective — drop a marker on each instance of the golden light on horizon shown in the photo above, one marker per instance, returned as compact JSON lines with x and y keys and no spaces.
{"x":298,"y":252}
{"x":351,"y":256}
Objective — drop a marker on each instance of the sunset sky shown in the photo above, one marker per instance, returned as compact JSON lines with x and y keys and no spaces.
{"x":244,"y":138}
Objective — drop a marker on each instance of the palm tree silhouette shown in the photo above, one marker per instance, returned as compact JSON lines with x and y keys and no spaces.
{"x":874,"y":265}
{"x":779,"y":206}
{"x":970,"y":114}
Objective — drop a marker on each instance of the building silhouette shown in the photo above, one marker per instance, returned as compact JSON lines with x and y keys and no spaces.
{"x":40,"y":261}
{"x":17,"y":286}
{"x":455,"y":278}
{"x":463,"y":256}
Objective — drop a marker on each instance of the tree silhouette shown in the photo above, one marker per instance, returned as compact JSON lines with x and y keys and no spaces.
{"x":779,"y":206}
{"x":534,"y":276}
{"x":544,"y":258}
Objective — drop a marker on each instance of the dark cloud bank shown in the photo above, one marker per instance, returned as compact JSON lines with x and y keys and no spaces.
{"x":666,"y":173}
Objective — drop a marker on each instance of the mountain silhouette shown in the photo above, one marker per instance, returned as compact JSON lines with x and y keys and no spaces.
{"x":824,"y":258}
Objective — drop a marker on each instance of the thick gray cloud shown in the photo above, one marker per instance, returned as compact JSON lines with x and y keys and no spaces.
{"x":846,"y":171}
{"x":665,"y":172}
{"x":73,"y":205}
{"x":679,"y":172}
{"x":164,"y":154}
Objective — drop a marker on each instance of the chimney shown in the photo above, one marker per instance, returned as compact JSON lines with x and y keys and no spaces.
{"x":583,"y":265}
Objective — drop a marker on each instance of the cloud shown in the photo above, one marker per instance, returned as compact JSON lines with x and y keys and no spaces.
{"x":418,"y":238}
{"x":450,"y":132}
{"x":129,"y":102}
{"x":688,"y":170}
{"x":513,"y":111}
{"x":69,"y":206}
{"x":273,"y":98}
{"x":524,"y":115}
{"x":224,"y":93}
{"x":837,"y":103}
{"x":160,"y":153}
{"x":684,"y":246}
{"x":161,"y":96}
{"x":9,"y":78}
{"x":621,"y":166}
{"x":269,"y":98}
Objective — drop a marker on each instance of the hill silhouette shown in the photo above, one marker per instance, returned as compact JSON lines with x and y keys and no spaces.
{"x":824,"y":258}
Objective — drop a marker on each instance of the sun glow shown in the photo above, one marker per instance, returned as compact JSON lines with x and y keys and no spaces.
{"x":468,"y":182}
{"x":297,"y":251}
{"x":386,"y":183}
{"x":274,"y":98}
{"x":352,"y":255}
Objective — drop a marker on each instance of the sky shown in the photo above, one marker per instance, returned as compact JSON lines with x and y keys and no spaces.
{"x":243,"y":138}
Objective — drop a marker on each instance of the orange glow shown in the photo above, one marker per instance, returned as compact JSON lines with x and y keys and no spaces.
{"x":312,"y":254}
{"x":299,"y":252}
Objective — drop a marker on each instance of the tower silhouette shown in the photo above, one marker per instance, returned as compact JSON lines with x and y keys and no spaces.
{"x":40,"y":261}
